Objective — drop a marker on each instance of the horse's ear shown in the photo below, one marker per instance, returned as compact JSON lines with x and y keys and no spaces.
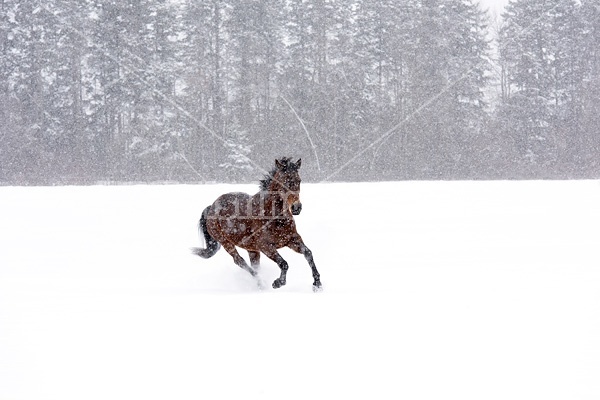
{"x":279,"y":165}
{"x":298,"y":163}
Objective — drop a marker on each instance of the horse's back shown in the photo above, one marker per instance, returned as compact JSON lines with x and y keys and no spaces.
{"x":230,"y":219}
{"x":232,"y":204}
{"x":250,"y":222}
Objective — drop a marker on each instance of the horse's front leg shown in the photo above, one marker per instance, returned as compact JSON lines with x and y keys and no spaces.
{"x":298,"y":246}
{"x":283,"y":266}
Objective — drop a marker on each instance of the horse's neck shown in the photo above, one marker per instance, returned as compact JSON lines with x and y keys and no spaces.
{"x":271,"y":202}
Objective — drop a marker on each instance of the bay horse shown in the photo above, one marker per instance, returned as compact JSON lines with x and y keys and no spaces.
{"x":262,"y":223}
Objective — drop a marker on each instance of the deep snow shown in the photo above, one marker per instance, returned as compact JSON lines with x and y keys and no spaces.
{"x":432,"y":290}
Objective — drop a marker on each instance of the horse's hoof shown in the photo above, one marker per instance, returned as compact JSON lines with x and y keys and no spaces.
{"x":317,"y":287}
{"x":277,"y":283}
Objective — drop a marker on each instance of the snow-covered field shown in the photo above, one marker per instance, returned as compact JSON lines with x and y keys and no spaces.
{"x":445,"y":290}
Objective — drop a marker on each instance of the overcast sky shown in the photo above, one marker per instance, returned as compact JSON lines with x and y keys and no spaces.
{"x":494,"y":5}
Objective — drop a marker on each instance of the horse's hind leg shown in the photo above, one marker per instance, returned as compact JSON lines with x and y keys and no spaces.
{"x":239,"y":261}
{"x":254,"y":259}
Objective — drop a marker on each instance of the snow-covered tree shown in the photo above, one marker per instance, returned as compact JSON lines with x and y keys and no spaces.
{"x":212,"y":90}
{"x":541,"y":58}
{"x":436,"y":76}
{"x":586,"y":152}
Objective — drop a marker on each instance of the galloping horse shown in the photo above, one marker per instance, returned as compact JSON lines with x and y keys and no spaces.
{"x":261,"y":223}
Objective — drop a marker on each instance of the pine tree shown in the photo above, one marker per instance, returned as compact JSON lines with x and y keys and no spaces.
{"x":255,"y":49}
{"x":64,"y":102}
{"x":538,"y":50}
{"x":438,"y":60}
{"x":204,"y":90}
{"x":588,"y":153}
{"x":23,"y":63}
{"x":313,"y":73}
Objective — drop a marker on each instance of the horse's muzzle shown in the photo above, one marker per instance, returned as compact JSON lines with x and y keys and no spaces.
{"x":296,"y":208}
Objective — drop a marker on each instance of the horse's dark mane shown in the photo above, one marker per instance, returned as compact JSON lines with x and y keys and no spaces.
{"x":288,"y":166}
{"x":266,"y":181}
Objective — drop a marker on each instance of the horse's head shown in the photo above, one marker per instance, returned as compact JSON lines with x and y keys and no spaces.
{"x":287,"y":180}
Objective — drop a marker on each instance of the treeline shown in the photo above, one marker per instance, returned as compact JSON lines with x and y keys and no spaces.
{"x":214,"y":90}
{"x":549,"y":112}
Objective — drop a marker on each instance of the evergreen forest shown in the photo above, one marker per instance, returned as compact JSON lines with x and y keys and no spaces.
{"x":96,"y":91}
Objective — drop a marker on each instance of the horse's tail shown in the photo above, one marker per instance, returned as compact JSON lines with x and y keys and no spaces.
{"x":212,"y":246}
